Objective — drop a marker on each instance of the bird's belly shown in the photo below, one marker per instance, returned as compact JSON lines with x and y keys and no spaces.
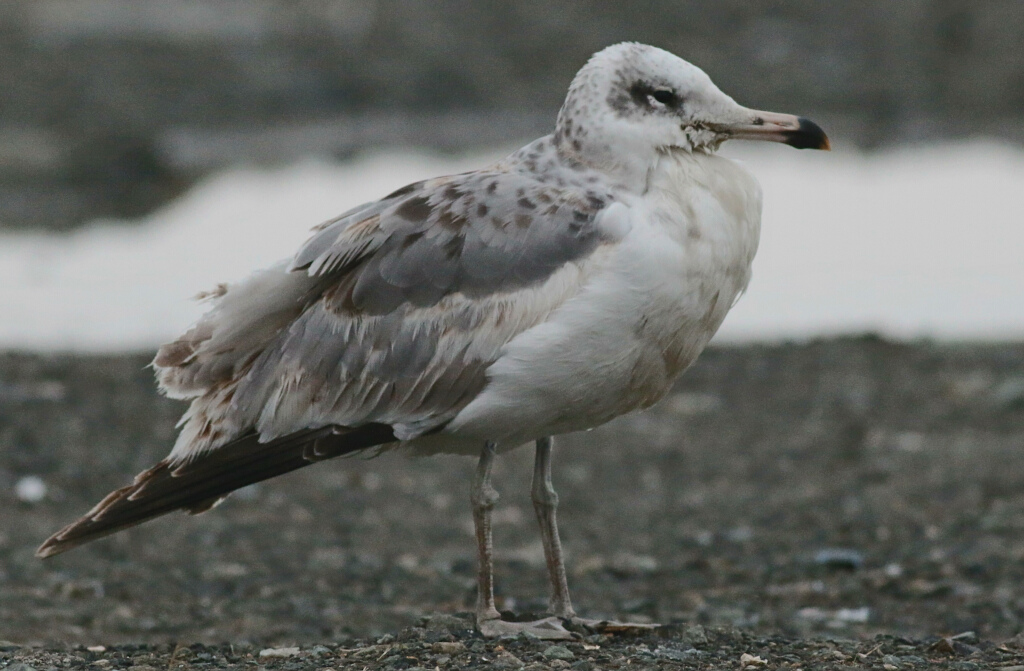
{"x":617,"y":347}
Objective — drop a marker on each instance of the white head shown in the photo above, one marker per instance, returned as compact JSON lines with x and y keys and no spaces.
{"x":631,"y":101}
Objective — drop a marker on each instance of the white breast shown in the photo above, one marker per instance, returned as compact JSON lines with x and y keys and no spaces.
{"x":709,"y":209}
{"x":649,"y":307}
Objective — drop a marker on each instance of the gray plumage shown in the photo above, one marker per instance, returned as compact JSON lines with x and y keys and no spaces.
{"x":357,"y":331}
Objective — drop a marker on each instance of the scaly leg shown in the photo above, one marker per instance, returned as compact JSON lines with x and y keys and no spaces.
{"x":488,"y":620}
{"x":484,"y":496}
{"x":545,"y":504}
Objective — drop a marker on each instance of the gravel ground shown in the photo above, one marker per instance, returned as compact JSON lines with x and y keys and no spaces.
{"x":449,"y":642}
{"x":844,"y":503}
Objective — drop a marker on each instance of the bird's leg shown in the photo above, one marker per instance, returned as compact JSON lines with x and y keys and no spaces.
{"x":545,"y":504}
{"x":484,"y":497}
{"x":488,"y":619}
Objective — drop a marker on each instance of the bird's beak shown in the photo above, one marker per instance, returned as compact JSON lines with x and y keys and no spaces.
{"x":792,"y":130}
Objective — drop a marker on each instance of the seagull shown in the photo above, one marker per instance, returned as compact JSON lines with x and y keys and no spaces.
{"x":562,"y":286}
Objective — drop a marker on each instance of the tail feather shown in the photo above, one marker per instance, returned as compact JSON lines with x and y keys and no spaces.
{"x":202,"y":482}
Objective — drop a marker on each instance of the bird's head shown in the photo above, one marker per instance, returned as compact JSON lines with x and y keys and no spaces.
{"x":633,"y":99}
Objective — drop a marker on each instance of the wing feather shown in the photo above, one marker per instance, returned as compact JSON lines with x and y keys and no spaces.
{"x":402,"y":306}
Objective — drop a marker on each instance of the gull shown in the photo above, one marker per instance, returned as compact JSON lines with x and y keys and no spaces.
{"x":554,"y":290}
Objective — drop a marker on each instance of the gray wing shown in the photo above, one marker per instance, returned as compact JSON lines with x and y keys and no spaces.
{"x":475,"y":234}
{"x":390,"y":314}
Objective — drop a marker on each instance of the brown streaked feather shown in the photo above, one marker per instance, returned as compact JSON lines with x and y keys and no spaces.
{"x":200,"y":483}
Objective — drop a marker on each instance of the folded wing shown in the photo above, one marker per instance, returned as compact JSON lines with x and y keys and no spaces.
{"x":390,"y":314}
{"x":388,"y":317}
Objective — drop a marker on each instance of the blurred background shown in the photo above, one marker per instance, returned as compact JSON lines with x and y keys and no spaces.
{"x":214,"y":133}
{"x":800,"y":479}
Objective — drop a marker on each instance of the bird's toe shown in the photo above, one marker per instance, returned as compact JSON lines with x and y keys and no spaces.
{"x":586,"y":625}
{"x":549,"y":629}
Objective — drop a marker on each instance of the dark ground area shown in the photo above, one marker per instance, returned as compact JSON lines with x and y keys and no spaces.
{"x":802,"y":503}
{"x":447,"y":642}
{"x":113,"y":107}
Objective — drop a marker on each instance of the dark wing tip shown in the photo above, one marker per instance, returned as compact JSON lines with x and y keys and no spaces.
{"x":52,"y":546}
{"x":55,"y":545}
{"x":199,"y":484}
{"x":104,"y":518}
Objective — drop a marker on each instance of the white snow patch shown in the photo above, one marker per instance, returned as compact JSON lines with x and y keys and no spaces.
{"x":111,"y":287}
{"x":914,"y":243}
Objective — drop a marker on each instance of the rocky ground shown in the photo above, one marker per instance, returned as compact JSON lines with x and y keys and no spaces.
{"x":851,"y":503}
{"x":448,"y":642}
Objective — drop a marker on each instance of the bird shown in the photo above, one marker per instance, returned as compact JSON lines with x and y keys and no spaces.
{"x":566,"y":284}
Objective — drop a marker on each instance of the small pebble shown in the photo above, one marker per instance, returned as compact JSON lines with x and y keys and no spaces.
{"x":447,"y":647}
{"x":1015,"y":643}
{"x":559,"y":652}
{"x":30,"y":489}
{"x":696,"y":635}
{"x":675,"y":655}
{"x":839,"y":558}
{"x":506,"y":659}
{"x":279,"y":652}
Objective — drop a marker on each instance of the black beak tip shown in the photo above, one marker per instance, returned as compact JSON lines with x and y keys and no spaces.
{"x":808,"y":136}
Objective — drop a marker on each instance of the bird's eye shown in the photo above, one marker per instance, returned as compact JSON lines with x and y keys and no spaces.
{"x":665,"y":97}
